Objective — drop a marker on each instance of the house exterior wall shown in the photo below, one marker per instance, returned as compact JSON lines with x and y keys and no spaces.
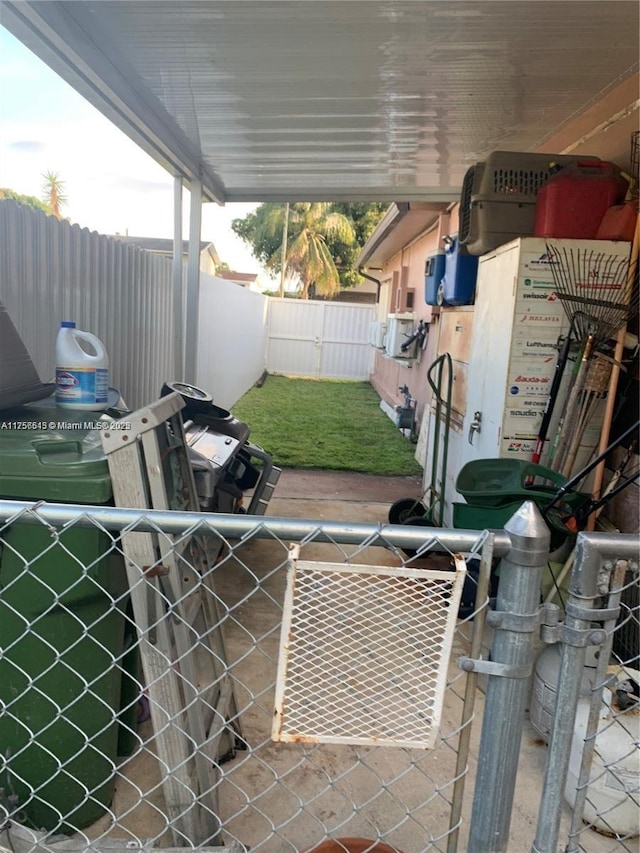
{"x":402,"y":290}
{"x":604,"y":128}
{"x":207,"y":263}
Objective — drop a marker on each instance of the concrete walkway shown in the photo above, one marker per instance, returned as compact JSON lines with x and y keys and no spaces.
{"x":345,"y":485}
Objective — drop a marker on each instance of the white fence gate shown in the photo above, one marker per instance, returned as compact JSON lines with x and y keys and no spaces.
{"x":322,"y":340}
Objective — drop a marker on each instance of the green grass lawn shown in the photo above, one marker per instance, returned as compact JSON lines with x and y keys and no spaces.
{"x":332,"y":425}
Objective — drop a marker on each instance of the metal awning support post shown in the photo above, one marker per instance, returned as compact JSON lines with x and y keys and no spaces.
{"x":178,"y":322}
{"x":193,"y":283}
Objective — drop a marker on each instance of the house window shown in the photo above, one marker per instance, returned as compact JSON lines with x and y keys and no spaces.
{"x":411,"y":295}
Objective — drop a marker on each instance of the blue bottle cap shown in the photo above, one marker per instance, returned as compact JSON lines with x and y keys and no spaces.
{"x":67,"y":324}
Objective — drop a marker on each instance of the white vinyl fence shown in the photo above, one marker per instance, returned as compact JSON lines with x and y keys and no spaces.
{"x":51,"y":270}
{"x":322,"y":340}
{"x":232,"y":339}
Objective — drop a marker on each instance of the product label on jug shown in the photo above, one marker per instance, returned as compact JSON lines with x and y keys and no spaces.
{"x":83,"y":385}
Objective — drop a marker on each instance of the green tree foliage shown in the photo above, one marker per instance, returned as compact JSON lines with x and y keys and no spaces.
{"x":262,"y":230}
{"x":315,"y":231}
{"x":308,"y":254}
{"x":364,"y":218}
{"x":29,"y":200}
{"x":53,"y":194}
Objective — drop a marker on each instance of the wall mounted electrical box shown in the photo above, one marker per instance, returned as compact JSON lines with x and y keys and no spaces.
{"x":433,"y":273}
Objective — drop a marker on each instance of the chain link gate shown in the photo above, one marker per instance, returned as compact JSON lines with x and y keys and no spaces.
{"x":79,"y":755}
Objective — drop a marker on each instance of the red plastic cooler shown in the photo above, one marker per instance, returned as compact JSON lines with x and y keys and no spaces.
{"x":573,"y":201}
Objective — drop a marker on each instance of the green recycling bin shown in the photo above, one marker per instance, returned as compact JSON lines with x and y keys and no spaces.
{"x":62,"y":625}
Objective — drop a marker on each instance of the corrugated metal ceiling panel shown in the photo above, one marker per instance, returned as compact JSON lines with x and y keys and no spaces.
{"x":359,"y":100}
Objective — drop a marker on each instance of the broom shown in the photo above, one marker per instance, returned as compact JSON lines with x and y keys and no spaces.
{"x":597,"y":294}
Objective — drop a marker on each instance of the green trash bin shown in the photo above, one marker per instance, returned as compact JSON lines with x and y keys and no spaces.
{"x":62,"y":626}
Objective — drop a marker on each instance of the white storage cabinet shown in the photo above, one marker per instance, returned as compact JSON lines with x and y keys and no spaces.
{"x":517,"y":321}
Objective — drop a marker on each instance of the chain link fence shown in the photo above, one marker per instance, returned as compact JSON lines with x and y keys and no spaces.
{"x":603,"y":783}
{"x":593,"y":720}
{"x":121,"y":735}
{"x":81,"y":724}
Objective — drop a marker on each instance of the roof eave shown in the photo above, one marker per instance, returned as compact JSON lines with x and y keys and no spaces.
{"x":402,"y":223}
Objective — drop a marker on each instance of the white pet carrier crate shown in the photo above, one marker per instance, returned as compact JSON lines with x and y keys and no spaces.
{"x":498,"y":199}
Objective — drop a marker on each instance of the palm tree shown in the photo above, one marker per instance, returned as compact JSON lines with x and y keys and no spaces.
{"x":53,"y":194}
{"x":306,"y":253}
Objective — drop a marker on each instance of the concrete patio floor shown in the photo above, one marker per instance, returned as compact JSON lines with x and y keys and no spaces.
{"x":269,"y":788}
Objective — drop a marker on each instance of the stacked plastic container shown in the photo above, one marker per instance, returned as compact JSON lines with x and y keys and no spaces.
{"x":573,"y":202}
{"x":458,"y":285}
{"x":499,"y":195}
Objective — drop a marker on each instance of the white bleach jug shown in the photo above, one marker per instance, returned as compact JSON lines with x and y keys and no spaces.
{"x":82,"y":370}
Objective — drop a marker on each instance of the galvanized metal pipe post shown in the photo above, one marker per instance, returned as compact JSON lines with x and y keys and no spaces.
{"x":577,"y":635}
{"x":515,"y":622}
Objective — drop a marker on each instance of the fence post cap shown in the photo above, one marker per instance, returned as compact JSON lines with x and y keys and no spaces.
{"x":530,"y":536}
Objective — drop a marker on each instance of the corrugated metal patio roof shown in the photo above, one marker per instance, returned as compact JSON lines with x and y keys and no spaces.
{"x":381,"y":100}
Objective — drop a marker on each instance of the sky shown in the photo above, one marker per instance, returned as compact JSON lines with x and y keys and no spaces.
{"x":112,"y":186}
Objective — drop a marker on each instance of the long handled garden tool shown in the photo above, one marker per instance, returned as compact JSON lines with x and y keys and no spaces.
{"x":579,"y":514}
{"x":547,"y":414}
{"x":590,"y":511}
{"x":597,"y":294}
{"x":617,"y":356}
{"x":592,"y":507}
